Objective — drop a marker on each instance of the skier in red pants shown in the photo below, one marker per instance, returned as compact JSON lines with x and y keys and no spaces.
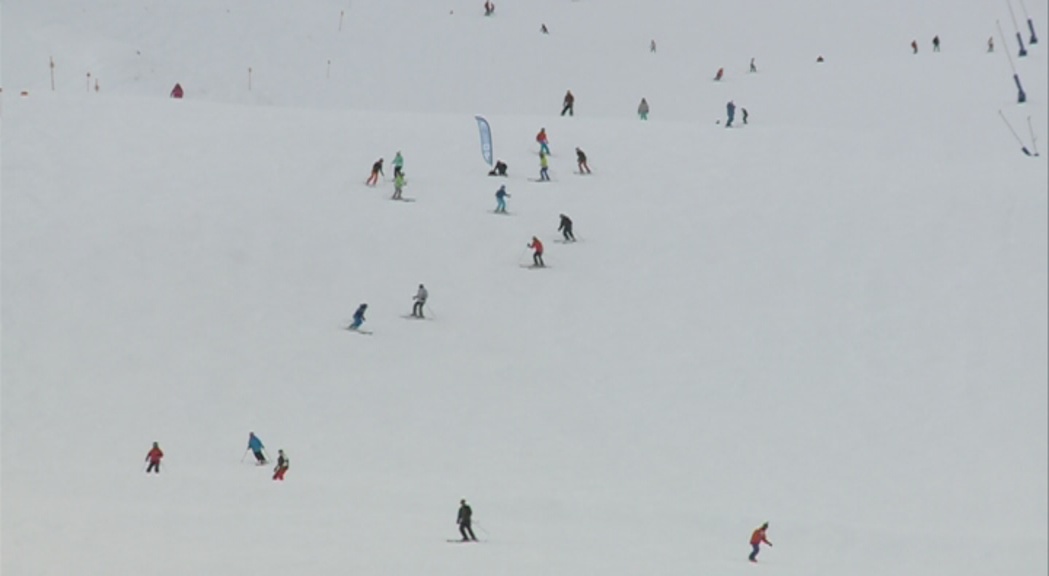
{"x":282,"y":466}
{"x":376,"y":171}
{"x":756,"y":539}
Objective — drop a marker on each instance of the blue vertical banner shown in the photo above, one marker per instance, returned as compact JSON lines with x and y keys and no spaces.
{"x":486,"y":139}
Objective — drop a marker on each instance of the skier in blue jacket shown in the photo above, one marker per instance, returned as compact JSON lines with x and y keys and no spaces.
{"x":358,"y":317}
{"x":730,"y":109}
{"x":256,"y":447}
{"x":500,"y":200}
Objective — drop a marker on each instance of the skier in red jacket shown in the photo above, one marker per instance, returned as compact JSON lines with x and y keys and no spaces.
{"x":756,"y":539}
{"x":153,"y":457}
{"x":537,"y":256}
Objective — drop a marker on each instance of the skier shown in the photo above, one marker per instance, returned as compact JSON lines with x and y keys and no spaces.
{"x":255,"y":445}
{"x":500,"y":199}
{"x":543,"y":29}
{"x":153,"y":457}
{"x":756,"y":539}
{"x":745,"y":115}
{"x":642,"y":109}
{"x":376,"y":170}
{"x":283,"y":463}
{"x":652,"y":46}
{"x":718,"y":76}
{"x":990,"y":44}
{"x":753,"y":68}
{"x":463,"y":519}
{"x":914,"y":46}
{"x":420,"y":300}
{"x":489,"y":8}
{"x":544,"y":142}
{"x":730,"y":108}
{"x":569,"y":104}
{"x":398,"y":163}
{"x":566,"y":228}
{"x":499,"y":170}
{"x":176,"y":92}
{"x":580,"y":158}
{"x":358,"y":317}
{"x":936,"y":43}
{"x":544,"y":166}
{"x":398,"y":184}
{"x":537,"y":256}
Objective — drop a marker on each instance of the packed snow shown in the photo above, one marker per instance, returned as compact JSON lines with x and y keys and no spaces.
{"x":832,"y":319}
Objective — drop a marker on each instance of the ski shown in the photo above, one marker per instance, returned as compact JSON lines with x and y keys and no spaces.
{"x":403,"y":199}
{"x":358,"y":330}
{"x":534,"y":267}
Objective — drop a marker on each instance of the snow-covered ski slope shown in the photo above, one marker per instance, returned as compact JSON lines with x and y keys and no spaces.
{"x":833,"y":319}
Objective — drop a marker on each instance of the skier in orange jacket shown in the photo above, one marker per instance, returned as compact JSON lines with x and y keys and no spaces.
{"x":756,"y":539}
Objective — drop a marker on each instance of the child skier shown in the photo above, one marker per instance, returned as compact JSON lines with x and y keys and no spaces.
{"x":420,"y":300}
{"x":936,"y":43}
{"x":376,"y":171}
{"x":566,"y":228}
{"x":153,"y":457}
{"x":642,"y":109}
{"x":755,"y":541}
{"x":569,"y":104}
{"x":255,"y":445}
{"x":537,"y":255}
{"x":544,"y":143}
{"x":500,"y":199}
{"x":730,"y":108}
{"x":544,"y":166}
{"x":283,"y":463}
{"x":580,"y":157}
{"x":398,"y":163}
{"x":398,"y":185}
{"x":358,"y":317}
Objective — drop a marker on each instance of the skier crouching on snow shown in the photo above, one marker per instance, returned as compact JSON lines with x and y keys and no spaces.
{"x":420,"y":301}
{"x":256,"y":447}
{"x":537,"y":255}
{"x":499,"y":170}
{"x":566,"y":228}
{"x":358,"y":317}
{"x":463,"y":519}
{"x":755,"y":541}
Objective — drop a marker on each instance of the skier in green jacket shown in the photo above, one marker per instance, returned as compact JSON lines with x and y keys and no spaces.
{"x":398,"y":164}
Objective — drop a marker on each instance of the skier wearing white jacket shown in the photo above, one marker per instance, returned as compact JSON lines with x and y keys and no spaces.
{"x":420,"y":301}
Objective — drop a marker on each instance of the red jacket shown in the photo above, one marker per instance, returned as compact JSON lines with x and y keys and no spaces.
{"x":537,"y":245}
{"x":758,"y":537}
{"x":541,"y":136}
{"x":155,"y":455}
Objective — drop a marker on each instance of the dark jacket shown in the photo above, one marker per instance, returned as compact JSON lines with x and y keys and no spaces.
{"x":465,"y":513}
{"x":580,"y":156}
{"x":566,"y":224}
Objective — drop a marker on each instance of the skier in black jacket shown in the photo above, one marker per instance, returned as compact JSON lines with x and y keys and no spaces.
{"x":465,"y":514}
{"x":566,"y":228}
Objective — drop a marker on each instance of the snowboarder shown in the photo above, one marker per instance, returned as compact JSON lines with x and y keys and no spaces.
{"x":730,"y":108}
{"x":420,"y":300}
{"x":489,"y":8}
{"x":914,"y":46}
{"x":499,"y":170}
{"x":358,"y":317}
{"x":580,"y":158}
{"x":153,"y":457}
{"x":755,"y":541}
{"x":566,"y":228}
{"x":256,"y":447}
{"x":544,"y":142}
{"x":398,"y":185}
{"x":719,"y":75}
{"x":745,"y":115}
{"x":464,"y":519}
{"x":753,"y":68}
{"x":537,"y":255}
{"x":936,"y":43}
{"x":642,"y":109}
{"x":544,"y":167}
{"x":652,"y":46}
{"x":500,"y":199}
{"x":176,"y":92}
{"x":398,"y":163}
{"x":283,"y":463}
{"x":569,"y":104}
{"x":376,"y":171}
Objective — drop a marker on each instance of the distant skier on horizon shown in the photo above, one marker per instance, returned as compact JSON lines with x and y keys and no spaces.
{"x":420,"y":300}
{"x":154,"y":456}
{"x":537,"y":254}
{"x":756,"y":539}
{"x":566,"y":228}
{"x":464,"y":519}
{"x":376,"y":171}
{"x":569,"y":104}
{"x":256,"y":447}
{"x":358,"y":317}
{"x":500,"y":199}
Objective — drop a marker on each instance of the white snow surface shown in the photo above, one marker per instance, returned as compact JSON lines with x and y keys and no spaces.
{"x":833,"y":319}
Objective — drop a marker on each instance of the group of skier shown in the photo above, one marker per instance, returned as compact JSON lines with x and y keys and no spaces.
{"x":255,"y":446}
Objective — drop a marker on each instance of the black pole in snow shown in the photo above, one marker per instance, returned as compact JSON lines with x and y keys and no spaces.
{"x":1021,"y":96}
{"x":1019,"y":38}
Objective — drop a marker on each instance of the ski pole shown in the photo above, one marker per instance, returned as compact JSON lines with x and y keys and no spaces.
{"x":481,"y":528}
{"x":246,"y":450}
{"x":1015,"y":135}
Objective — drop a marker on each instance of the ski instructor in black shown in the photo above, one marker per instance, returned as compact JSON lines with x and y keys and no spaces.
{"x":465,"y":513}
